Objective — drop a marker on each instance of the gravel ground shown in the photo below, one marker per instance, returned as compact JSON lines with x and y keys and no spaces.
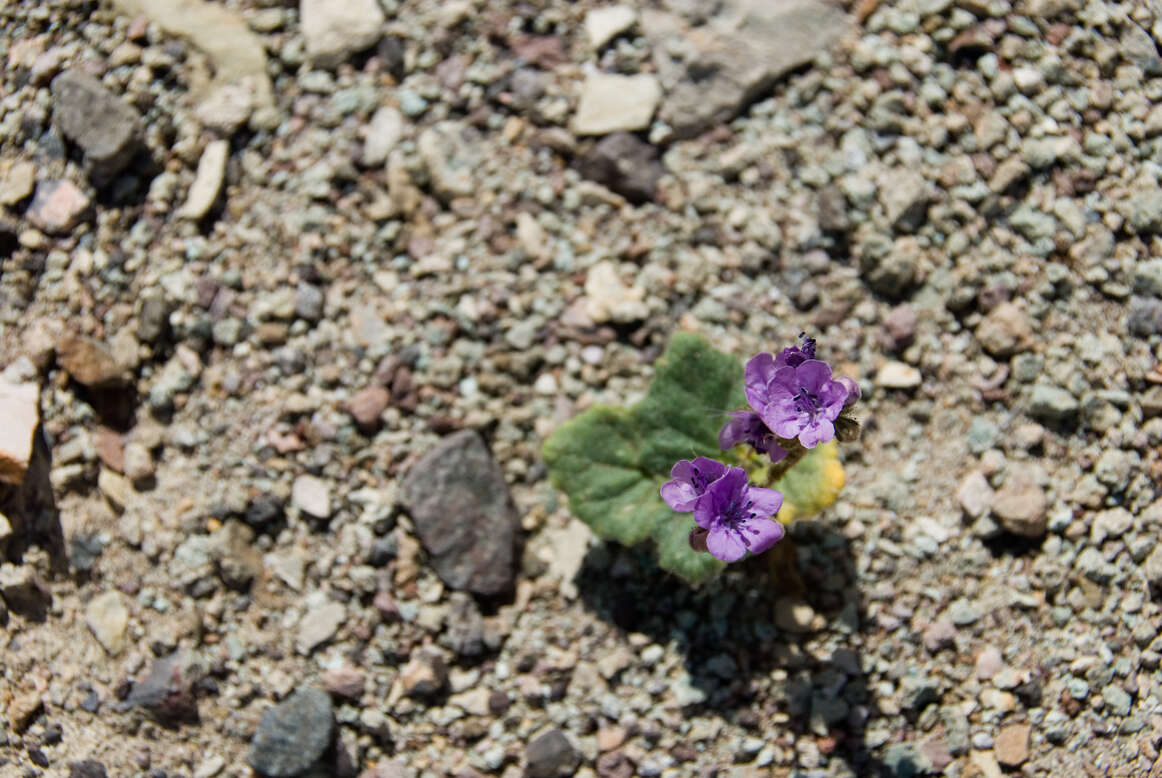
{"x":295,"y":291}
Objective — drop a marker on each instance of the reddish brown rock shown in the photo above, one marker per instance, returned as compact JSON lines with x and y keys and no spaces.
{"x":89,"y":363}
{"x":58,"y":206}
{"x":366,"y":405}
{"x":1012,"y":745}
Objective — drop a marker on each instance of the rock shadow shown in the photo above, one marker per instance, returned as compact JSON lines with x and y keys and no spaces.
{"x":728,"y":635}
{"x":31,"y":509}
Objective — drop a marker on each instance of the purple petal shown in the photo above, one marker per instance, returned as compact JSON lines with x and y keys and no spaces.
{"x":818,"y":430}
{"x":709,"y":469}
{"x":766,"y":501}
{"x":832,"y":398}
{"x":733,"y":432}
{"x":852,"y":388}
{"x":784,"y":418}
{"x":760,"y":369}
{"x":762,"y":534}
{"x":709,"y":509}
{"x":812,"y":375}
{"x":682,"y":470}
{"x":725,"y":544}
{"x":679,"y":495}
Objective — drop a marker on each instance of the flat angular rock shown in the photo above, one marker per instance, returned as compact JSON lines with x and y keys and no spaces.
{"x":551,"y":755}
{"x":58,"y":206}
{"x":107,"y":128}
{"x":336,"y":29}
{"x":88,"y":362}
{"x":108,"y":618}
{"x":311,"y":496}
{"x":616,"y":103}
{"x":20,"y":409}
{"x":292,"y":735}
{"x":710,"y":72}
{"x":208,"y":181}
{"x":18,"y":183}
{"x":463,"y":514}
{"x":1021,"y":505}
{"x":383,"y":133}
{"x":604,"y":24}
{"x":625,"y":164}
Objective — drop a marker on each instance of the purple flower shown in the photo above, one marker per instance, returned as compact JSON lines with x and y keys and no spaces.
{"x":748,"y":427}
{"x":801,"y":401}
{"x":737,"y":517}
{"x":690,"y":482}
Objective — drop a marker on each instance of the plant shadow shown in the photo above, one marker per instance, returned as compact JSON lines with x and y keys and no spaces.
{"x":752,"y":658}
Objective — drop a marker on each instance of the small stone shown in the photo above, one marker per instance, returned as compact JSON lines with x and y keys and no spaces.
{"x":989,"y":662}
{"x":345,"y":681}
{"x":167,"y":691}
{"x":22,"y":709}
{"x":1145,"y":316}
{"x":88,"y":362}
{"x":319,"y":625}
{"x":608,"y":299}
{"x":1005,"y":331}
{"x":939,"y":635}
{"x":311,"y":496}
{"x":898,"y":375}
{"x":1052,"y":403}
{"x":108,"y":619}
{"x":1118,"y":701}
{"x":905,"y":195}
{"x":334,"y":30}
{"x":208,"y":180}
{"x":118,"y":489}
{"x":1112,"y":523}
{"x":1021,"y":505}
{"x":226,"y":109}
{"x":107,"y":129}
{"x":87,"y":768}
{"x":138,"y":462}
{"x":793,"y":615}
{"x":464,"y":626}
{"x":424,"y":676}
{"x":58,"y":206}
{"x":293,"y":735}
{"x":383,"y":133}
{"x":366,"y":406}
{"x":463,"y":513}
{"x":975,"y":495}
{"x":18,"y":184}
{"x":1012,"y":745}
{"x":604,"y":24}
{"x":20,"y":410}
{"x":625,"y":164}
{"x":309,"y":301}
{"x":616,"y":103}
{"x":551,"y":755}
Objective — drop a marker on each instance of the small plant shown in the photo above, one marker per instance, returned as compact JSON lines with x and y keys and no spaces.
{"x":627,"y":471}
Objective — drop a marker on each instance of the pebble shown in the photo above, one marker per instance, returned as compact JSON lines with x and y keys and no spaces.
{"x":905,"y":195}
{"x":345,"y":681}
{"x":107,"y":128}
{"x":939,"y":635}
{"x":312,"y":496}
{"x":898,"y":375}
{"x":794,"y":615}
{"x":207,"y":182}
{"x":1021,"y":505}
{"x":383,"y":133}
{"x":58,"y":206}
{"x":87,"y":768}
{"x":17,"y":184}
{"x":319,"y":625}
{"x":227,"y":109}
{"x":367,"y":406}
{"x":88,"y":362}
{"x":975,"y":495}
{"x":616,"y":103}
{"x":608,"y":299}
{"x":293,"y":735}
{"x":20,"y":409}
{"x":1012,"y":745}
{"x":1005,"y":330}
{"x":108,"y":619}
{"x":463,"y":514}
{"x":625,"y":164}
{"x":551,"y":755}
{"x":604,"y":24}
{"x":334,"y":30}
{"x":23,"y":592}
{"x":424,"y":676}
{"x":1052,"y":403}
{"x":989,"y":662}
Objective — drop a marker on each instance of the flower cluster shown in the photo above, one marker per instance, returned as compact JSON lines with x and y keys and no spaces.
{"x":795,"y":405}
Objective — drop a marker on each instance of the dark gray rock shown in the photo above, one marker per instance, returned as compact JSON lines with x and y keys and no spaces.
{"x":293,"y":735}
{"x":551,"y":755}
{"x":1145,"y":318}
{"x":464,"y":626}
{"x":87,"y":768}
{"x":167,"y":692}
{"x":106,"y":128}
{"x":624,"y":163}
{"x":464,"y":515}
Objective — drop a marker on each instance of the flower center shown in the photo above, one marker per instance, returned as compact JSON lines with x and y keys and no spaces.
{"x":807,"y":402}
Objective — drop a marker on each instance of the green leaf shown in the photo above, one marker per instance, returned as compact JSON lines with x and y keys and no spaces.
{"x":812,"y":484}
{"x":611,"y":462}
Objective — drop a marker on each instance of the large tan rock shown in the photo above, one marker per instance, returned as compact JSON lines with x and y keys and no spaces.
{"x":19,"y":408}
